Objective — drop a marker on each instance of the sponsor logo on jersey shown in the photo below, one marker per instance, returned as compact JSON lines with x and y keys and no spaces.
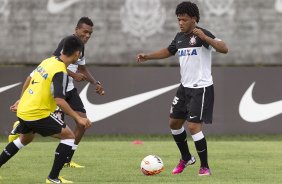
{"x":42,"y":72}
{"x":187,"y":52}
{"x":192,"y":40}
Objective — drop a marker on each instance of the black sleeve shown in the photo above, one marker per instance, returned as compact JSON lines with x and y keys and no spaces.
{"x":172,"y":47}
{"x":59,"y":49}
{"x":59,"y":85}
{"x":209,"y":34}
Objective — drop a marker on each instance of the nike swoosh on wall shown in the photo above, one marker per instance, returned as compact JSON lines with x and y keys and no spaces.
{"x":54,"y":6}
{"x":254,"y":112}
{"x":102,"y":111}
{"x":5,"y":88}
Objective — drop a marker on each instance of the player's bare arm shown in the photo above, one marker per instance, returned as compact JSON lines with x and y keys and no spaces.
{"x":77,"y":76}
{"x":218,"y":45}
{"x":68,"y":110}
{"x":14,"y":107}
{"x":89,"y":77}
{"x":161,"y":54}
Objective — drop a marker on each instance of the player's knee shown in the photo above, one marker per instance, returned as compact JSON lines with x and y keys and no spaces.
{"x":194,"y":128}
{"x":175,"y":124}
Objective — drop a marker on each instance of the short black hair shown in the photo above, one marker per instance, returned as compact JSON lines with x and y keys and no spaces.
{"x":71,"y":45}
{"x":188,"y":8}
{"x":84,"y":20}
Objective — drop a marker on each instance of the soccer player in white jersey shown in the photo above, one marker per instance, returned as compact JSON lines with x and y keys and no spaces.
{"x":194,"y":98}
{"x":79,"y":72}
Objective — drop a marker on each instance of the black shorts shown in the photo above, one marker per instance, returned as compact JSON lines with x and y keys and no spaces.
{"x":193,"y":104}
{"x":73,"y":99}
{"x":45,"y":127}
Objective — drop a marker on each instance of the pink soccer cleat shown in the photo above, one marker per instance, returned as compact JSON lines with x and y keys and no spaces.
{"x":182,"y":164}
{"x":204,"y":171}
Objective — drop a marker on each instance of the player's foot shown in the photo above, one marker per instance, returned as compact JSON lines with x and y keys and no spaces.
{"x":14,"y":135}
{"x":58,"y":180}
{"x":204,"y":171}
{"x":72,"y":164}
{"x":182,"y":164}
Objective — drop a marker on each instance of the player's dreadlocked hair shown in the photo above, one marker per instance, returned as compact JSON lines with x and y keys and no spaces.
{"x":188,"y":8}
{"x":84,"y":20}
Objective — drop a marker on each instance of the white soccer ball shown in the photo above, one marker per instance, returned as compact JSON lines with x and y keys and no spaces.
{"x":152,"y":165}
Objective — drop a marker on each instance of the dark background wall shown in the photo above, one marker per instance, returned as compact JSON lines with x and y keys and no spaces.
{"x":31,"y":29}
{"x":151,"y":116}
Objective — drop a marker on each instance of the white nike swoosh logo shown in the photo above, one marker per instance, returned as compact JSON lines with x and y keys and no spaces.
{"x":191,"y":117}
{"x":102,"y":111}
{"x":57,"y":7}
{"x":5,"y":88}
{"x":253,"y":112}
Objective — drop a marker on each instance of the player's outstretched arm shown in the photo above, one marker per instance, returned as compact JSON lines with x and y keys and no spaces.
{"x":89,"y":77}
{"x":161,"y":54}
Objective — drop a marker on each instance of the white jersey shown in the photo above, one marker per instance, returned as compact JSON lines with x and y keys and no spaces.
{"x":195,"y":58}
{"x":71,"y":67}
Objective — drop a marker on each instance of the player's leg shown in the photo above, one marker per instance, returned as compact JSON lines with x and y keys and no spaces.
{"x":55,"y":127}
{"x":13,"y":147}
{"x":201,"y":111}
{"x":177,"y":119}
{"x":62,"y":153}
{"x":76,"y":104}
{"x":180,"y":137}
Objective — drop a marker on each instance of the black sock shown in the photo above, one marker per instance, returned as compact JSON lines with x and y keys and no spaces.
{"x":70,"y":156}
{"x":61,"y":155}
{"x":181,"y":141}
{"x":10,"y":150}
{"x":201,"y":146}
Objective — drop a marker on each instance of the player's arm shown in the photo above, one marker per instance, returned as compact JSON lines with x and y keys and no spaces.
{"x":59,"y":82}
{"x":89,"y":77}
{"x":68,"y":110}
{"x":218,"y":45}
{"x":14,"y":107}
{"x":77,"y":76}
{"x":161,"y":54}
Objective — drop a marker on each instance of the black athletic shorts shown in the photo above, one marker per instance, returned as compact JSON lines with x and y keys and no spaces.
{"x":45,"y":127}
{"x":74,"y":101}
{"x":193,"y":104}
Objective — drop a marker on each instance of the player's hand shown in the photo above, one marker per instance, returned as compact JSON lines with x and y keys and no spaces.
{"x":141,"y":58}
{"x":99,"y":89}
{"x":85,"y":122}
{"x":79,"y":77}
{"x":200,"y":33}
{"x":14,"y":107}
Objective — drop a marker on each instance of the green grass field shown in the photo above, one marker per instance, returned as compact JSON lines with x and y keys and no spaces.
{"x":115,"y":159}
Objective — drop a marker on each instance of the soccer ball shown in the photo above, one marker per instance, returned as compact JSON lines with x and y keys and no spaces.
{"x":152,"y":165}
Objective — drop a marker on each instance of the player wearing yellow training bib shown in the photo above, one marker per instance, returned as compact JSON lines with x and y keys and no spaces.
{"x":42,"y":93}
{"x":37,"y":101}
